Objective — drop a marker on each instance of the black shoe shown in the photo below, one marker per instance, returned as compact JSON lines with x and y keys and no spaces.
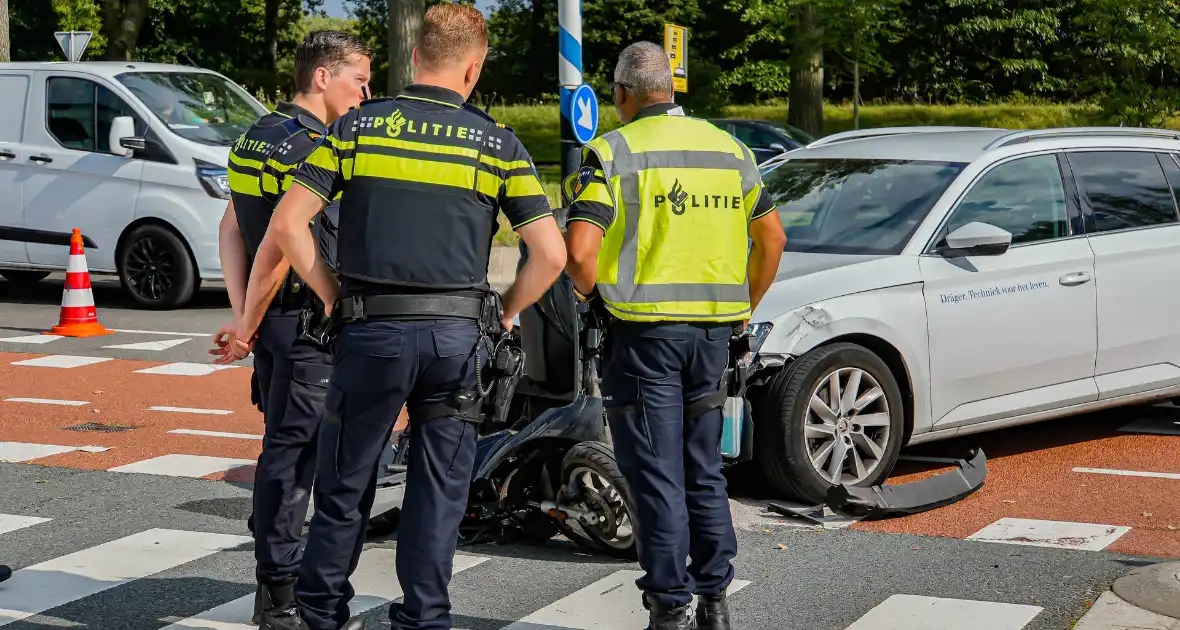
{"x":661,"y":617}
{"x":282,"y":613}
{"x":5,"y":573}
{"x":262,"y":603}
{"x":712,"y":612}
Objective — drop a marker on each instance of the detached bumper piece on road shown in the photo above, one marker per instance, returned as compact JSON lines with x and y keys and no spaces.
{"x":882,"y":501}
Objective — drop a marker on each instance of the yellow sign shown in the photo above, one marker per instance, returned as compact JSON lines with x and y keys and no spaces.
{"x":676,"y":45}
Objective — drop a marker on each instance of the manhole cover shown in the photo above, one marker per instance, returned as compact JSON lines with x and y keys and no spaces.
{"x":94,"y":426}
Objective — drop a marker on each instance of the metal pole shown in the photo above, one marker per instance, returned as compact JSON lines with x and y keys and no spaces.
{"x":569,"y":77}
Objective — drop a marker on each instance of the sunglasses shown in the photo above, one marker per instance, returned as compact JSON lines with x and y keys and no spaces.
{"x":614,"y":84}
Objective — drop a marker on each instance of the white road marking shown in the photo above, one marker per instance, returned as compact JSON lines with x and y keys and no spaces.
{"x":32,"y":339}
{"x":243,"y":436}
{"x":13,"y":522}
{"x":1128,"y":473}
{"x":160,"y":332}
{"x":375,"y":581}
{"x":208,"y":412}
{"x":56,"y":582}
{"x":916,"y":612}
{"x":26,"y":451}
{"x":154,"y":346}
{"x":1059,"y":534}
{"x":610,"y":603}
{"x":94,"y":449}
{"x":183,"y":465}
{"x":186,"y":369}
{"x":61,"y":361}
{"x":48,"y":401}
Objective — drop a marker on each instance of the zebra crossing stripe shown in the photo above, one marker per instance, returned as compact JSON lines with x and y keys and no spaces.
{"x":375,"y":581}
{"x":71,"y":577}
{"x":612,"y":602}
{"x":13,"y":522}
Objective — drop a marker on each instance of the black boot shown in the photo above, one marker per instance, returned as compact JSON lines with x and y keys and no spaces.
{"x":283,"y":613}
{"x":262,"y":604}
{"x":662,"y":617}
{"x":712,"y":612}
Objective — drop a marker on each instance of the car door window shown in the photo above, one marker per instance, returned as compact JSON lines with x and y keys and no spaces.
{"x":1125,"y":189}
{"x":754,"y":137}
{"x":1026,"y":197}
{"x":81,"y":112}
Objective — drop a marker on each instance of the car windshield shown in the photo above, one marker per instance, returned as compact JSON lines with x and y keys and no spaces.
{"x":854,"y":206}
{"x":197,"y":106}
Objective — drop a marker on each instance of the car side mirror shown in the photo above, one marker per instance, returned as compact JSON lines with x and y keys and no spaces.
{"x":777,"y":146}
{"x":976,"y":239}
{"x":122,"y":138}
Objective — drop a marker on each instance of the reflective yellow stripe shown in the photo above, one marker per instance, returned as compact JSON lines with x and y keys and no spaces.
{"x":508,"y":166}
{"x":424,"y":147}
{"x":244,"y":184}
{"x":676,"y":311}
{"x":426,"y":171}
{"x":523,"y":186}
{"x":282,"y":168}
{"x":324,"y":158}
{"x":339,"y":144}
{"x":240,"y":161}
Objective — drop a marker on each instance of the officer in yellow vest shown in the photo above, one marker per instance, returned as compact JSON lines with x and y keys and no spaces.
{"x":659,"y":229}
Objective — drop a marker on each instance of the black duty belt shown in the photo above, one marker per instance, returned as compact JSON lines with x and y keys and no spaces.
{"x":365,"y":307}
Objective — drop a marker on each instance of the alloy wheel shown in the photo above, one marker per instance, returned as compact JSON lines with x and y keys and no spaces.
{"x":847,"y":426}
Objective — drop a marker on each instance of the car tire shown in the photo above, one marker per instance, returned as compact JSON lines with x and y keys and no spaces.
{"x":23,"y":276}
{"x":155,"y":268}
{"x":784,"y":444}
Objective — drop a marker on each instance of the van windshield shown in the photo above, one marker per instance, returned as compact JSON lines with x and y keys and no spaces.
{"x":855,"y":206}
{"x":197,"y":106}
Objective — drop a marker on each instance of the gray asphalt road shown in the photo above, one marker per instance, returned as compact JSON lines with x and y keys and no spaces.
{"x":799,"y":578}
{"x":26,"y":310}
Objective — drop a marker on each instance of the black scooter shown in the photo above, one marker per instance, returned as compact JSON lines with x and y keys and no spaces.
{"x":549,"y":468}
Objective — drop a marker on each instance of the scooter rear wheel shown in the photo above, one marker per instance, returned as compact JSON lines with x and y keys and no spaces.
{"x":589,"y":469}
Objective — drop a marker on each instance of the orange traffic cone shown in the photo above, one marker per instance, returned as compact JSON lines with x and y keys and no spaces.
{"x":78,"y":318}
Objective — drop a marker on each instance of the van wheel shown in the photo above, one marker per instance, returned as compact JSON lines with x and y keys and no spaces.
{"x":156,"y":269}
{"x":833,"y":417}
{"x":21,"y":276}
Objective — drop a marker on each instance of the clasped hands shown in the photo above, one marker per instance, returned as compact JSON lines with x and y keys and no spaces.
{"x":234,"y":342}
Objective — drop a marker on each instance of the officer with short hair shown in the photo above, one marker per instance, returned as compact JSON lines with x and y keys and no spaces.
{"x":332,"y":69}
{"x":659,"y":226}
{"x":421,"y":179}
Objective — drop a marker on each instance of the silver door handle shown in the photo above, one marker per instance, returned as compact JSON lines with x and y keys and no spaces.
{"x":1074,"y":279}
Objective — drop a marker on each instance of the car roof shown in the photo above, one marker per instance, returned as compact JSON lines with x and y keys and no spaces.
{"x":967,"y":144}
{"x":107,"y":69}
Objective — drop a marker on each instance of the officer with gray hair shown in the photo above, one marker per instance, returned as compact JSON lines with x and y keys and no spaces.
{"x":675,"y":293}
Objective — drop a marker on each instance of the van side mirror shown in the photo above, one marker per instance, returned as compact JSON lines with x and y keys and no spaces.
{"x":976,"y":239}
{"x":122,"y":140}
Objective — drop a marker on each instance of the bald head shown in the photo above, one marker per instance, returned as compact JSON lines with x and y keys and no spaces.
{"x":645,"y":72}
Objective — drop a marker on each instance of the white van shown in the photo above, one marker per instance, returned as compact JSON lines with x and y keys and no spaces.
{"x":132,"y":154}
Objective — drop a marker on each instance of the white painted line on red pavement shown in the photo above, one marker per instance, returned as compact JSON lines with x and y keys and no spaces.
{"x":186,"y":369}
{"x":207,"y":412}
{"x":152,"y":346}
{"x":57,"y":582}
{"x":13,"y":522}
{"x":612,"y":602}
{"x":93,"y":449}
{"x":1128,"y":473}
{"x":49,"y":401}
{"x":183,"y":465}
{"x":26,"y":451}
{"x":61,"y":361}
{"x":1059,"y":534}
{"x":160,"y":332}
{"x":916,"y":612}
{"x":375,"y":581}
{"x":32,"y":339}
{"x":241,"y":436}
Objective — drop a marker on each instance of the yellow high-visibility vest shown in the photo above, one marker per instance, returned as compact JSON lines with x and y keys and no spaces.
{"x":683,"y":191}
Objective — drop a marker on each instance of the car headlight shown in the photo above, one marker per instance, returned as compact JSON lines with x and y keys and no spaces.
{"x":214,"y":179}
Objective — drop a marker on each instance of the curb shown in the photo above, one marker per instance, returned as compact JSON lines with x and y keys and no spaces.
{"x":1147,"y":598}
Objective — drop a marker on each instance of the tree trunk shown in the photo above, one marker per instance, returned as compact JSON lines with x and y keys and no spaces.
{"x":122,"y":22}
{"x":805,"y":105}
{"x":270,"y":33}
{"x":405,"y":23}
{"x":856,"y":94}
{"x":5,"y":46}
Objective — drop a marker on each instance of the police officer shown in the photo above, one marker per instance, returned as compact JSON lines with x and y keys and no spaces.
{"x":331,"y":70}
{"x":421,"y":178}
{"x":671,"y":269}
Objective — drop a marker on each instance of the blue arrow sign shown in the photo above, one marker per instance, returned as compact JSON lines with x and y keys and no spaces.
{"x":584,"y":113}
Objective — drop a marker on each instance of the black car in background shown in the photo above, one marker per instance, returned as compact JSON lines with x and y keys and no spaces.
{"x":766,"y":138}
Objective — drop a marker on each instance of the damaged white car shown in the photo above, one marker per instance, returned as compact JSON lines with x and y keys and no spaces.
{"x":944,"y":281}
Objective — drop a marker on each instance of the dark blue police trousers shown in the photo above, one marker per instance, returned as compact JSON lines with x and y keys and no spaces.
{"x":293,"y":383}
{"x":672,"y":464}
{"x":380,"y":366}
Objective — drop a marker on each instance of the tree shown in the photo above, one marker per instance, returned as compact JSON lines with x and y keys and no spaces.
{"x":405,"y":24}
{"x":121,"y":24}
{"x":5,"y":46}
